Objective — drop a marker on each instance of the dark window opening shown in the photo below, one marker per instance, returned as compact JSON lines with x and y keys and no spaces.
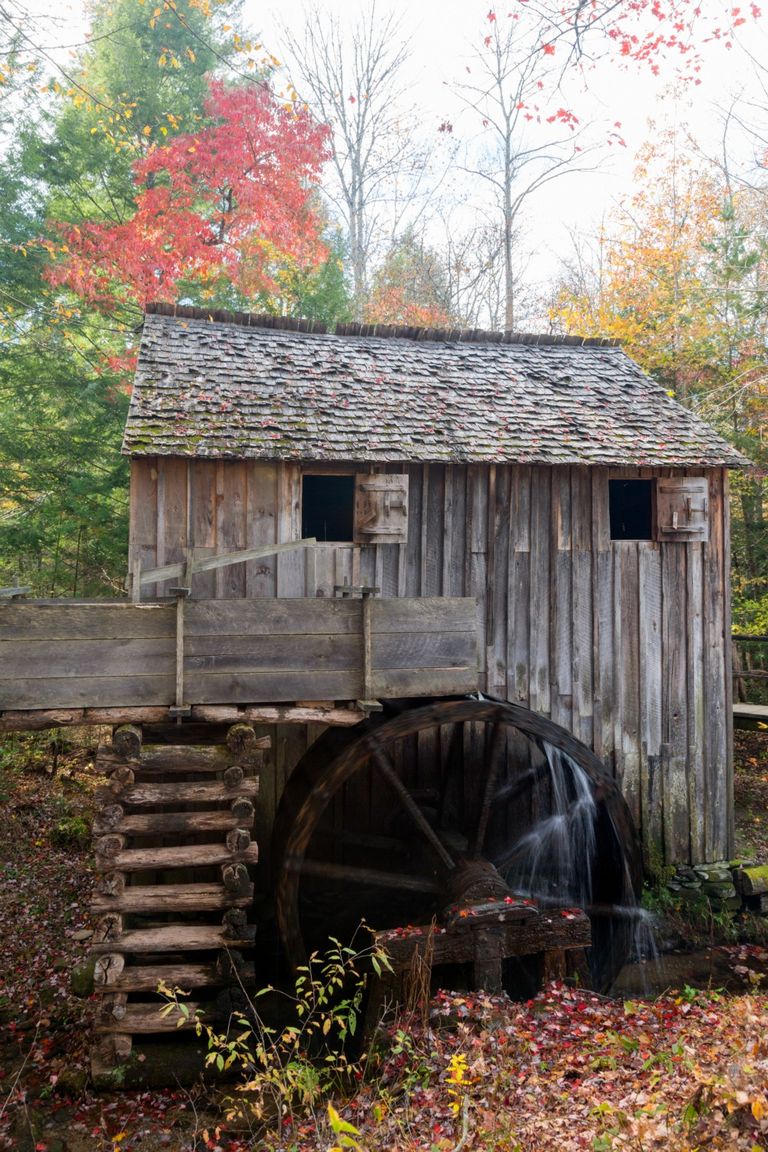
{"x":631,"y":509}
{"x":327,"y":505}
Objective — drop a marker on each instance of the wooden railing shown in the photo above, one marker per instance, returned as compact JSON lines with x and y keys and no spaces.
{"x":750,"y":669}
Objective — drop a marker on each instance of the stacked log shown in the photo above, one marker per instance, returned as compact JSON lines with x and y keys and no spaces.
{"x":174,"y":885}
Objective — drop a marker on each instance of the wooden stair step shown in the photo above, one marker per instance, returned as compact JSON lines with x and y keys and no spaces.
{"x":182,"y":758}
{"x":147,"y":795}
{"x":184,"y":856}
{"x":172,"y":898}
{"x":172,"y":938}
{"x":147,"y":823}
{"x":146,"y":977}
{"x":148,"y":1018}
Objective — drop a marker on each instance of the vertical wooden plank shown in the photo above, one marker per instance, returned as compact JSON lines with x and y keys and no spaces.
{"x":498,"y":569}
{"x":261,"y":527}
{"x":561,"y":609}
{"x":540,"y":561}
{"x":416,"y":541}
{"x":519,"y":586}
{"x":718,"y":828}
{"x":449,"y":519}
{"x":144,"y":518}
{"x":290,"y":565}
{"x":675,"y":724}
{"x":477,"y":573}
{"x":343,"y":565}
{"x":582,"y":606}
{"x":628,"y":687}
{"x":727,"y":661}
{"x":434,"y":527}
{"x":172,"y":510}
{"x":325,"y":569}
{"x":651,"y":684}
{"x":202,"y":522}
{"x":695,"y":690}
{"x":231,"y":485}
{"x":602,"y":622}
{"x":424,"y":531}
{"x":404,"y":551}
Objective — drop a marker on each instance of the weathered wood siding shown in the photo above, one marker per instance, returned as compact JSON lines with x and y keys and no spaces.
{"x":622,"y":642}
{"x":95,"y":655}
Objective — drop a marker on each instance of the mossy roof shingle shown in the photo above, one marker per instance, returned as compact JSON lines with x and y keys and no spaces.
{"x":211,"y":389}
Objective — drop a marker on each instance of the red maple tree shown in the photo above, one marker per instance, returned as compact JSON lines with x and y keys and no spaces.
{"x":228,"y":203}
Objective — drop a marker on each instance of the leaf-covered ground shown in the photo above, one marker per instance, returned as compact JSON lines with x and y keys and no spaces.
{"x":568,"y":1070}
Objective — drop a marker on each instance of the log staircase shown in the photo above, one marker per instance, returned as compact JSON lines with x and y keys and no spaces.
{"x":172,"y":839}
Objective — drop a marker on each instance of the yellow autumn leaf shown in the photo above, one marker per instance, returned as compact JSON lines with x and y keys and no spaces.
{"x":758,"y":1107}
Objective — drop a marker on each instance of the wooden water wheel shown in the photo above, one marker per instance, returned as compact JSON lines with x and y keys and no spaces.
{"x":425,"y":808}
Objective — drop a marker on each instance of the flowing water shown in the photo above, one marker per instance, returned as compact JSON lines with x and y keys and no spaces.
{"x":557,"y":861}
{"x":554,"y":860}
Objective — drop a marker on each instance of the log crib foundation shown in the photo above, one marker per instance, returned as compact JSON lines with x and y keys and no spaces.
{"x":172,"y":839}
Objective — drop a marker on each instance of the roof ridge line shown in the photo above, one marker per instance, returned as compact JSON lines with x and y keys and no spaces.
{"x":381,"y":331}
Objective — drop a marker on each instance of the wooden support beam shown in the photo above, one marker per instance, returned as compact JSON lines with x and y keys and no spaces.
{"x":223,"y":560}
{"x":35,"y":720}
{"x":278,"y":714}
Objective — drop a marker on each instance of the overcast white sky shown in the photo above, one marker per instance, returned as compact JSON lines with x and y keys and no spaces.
{"x":441,"y":34}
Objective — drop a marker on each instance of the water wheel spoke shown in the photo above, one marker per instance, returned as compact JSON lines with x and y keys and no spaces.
{"x":351,"y":874}
{"x":387,"y":770}
{"x":528,"y":779}
{"x":493,"y":760}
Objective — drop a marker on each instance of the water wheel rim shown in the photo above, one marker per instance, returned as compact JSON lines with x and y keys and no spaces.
{"x":314,"y":784}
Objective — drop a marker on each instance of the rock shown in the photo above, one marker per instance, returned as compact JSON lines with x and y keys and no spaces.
{"x":81,"y":980}
{"x":72,"y":1081}
{"x":720,"y":891}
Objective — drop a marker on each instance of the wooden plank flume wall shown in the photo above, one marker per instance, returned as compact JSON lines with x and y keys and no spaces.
{"x":174,"y":886}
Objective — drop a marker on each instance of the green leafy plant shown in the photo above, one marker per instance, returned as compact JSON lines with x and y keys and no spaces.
{"x":287,"y":1070}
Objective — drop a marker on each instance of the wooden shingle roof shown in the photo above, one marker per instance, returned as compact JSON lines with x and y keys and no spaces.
{"x":240,"y":389}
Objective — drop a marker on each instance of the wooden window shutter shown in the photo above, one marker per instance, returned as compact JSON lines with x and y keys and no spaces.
{"x":682,"y":508}
{"x":381,"y":509}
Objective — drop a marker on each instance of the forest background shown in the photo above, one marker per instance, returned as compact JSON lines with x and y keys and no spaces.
{"x":162,"y":150}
